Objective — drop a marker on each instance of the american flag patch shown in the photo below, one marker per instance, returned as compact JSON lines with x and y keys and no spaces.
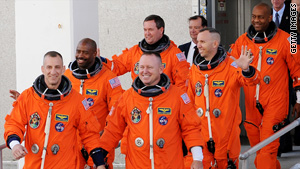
{"x":85,"y":104}
{"x":115,"y":82}
{"x":181,"y":56}
{"x":234,"y":64}
{"x":185,"y":98}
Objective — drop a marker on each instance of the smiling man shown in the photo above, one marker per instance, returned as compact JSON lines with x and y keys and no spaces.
{"x":174,"y":61}
{"x":158,"y":116}
{"x":98,"y":84}
{"x":51,"y":113}
{"x":267,"y":103}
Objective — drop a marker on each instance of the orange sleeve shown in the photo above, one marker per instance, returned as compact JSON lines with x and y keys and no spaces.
{"x":88,"y":127}
{"x":191,"y":88}
{"x":180,"y":71}
{"x":190,"y":124}
{"x":113,"y":132}
{"x":122,"y":64}
{"x":16,"y":121}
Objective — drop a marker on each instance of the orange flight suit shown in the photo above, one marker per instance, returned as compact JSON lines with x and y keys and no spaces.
{"x":101,"y":91}
{"x":174,"y":118}
{"x":224,"y":93}
{"x":273,"y":92}
{"x":174,"y":61}
{"x":69,"y":115}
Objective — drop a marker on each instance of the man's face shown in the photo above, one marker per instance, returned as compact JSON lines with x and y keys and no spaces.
{"x":53,"y":70}
{"x":195,"y":26}
{"x":277,"y":4}
{"x":151,"y":33}
{"x":150,"y":70}
{"x":85,"y":56}
{"x":260,"y":18}
{"x":205,"y":44}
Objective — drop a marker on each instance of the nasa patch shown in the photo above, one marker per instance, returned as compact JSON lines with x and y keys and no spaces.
{"x":34,"y":121}
{"x":270,"y":61}
{"x":136,"y":115}
{"x":59,"y":127}
{"x":90,"y":101}
{"x":218,"y":92}
{"x":163,"y":120}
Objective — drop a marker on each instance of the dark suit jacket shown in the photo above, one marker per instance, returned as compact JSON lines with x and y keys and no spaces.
{"x":185,"y":48}
{"x":285,"y":20}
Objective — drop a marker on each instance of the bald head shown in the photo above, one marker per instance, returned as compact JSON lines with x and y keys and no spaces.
{"x":261,"y":17}
{"x":265,"y":7}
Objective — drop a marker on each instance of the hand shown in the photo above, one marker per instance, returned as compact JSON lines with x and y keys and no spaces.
{"x":296,"y":110}
{"x":197,"y":165}
{"x":101,"y":167}
{"x":14,"y":94}
{"x":19,"y":151}
{"x":245,"y":59}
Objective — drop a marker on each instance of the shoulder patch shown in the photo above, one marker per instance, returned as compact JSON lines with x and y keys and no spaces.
{"x":85,"y":104}
{"x":114,"y":82}
{"x":181,"y":57}
{"x":185,"y":98}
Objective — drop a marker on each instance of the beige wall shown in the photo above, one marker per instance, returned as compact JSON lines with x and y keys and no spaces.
{"x":121,"y":24}
{"x":7,"y":63}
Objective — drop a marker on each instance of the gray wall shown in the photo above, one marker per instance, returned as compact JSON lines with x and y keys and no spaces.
{"x":7,"y":63}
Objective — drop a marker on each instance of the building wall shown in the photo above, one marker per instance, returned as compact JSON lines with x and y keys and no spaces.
{"x":7,"y":63}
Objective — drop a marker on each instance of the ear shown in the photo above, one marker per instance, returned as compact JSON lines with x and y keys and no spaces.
{"x":215,"y":44}
{"x":161,"y":30}
{"x":270,"y":18}
{"x":64,"y":69}
{"x":42,"y":69}
{"x":161,"y":69}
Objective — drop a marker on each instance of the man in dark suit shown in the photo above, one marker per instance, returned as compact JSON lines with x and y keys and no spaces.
{"x":196,"y":23}
{"x":281,"y":17}
{"x":281,"y":9}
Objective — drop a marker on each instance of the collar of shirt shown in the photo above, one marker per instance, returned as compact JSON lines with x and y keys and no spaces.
{"x":280,"y":13}
{"x":191,"y":53}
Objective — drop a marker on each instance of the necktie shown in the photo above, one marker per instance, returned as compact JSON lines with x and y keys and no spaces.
{"x":196,"y":52}
{"x":277,"y":19}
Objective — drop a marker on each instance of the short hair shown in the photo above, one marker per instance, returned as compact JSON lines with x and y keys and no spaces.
{"x":195,"y":17}
{"x":155,"y":54}
{"x":268,"y":8}
{"x":52,"y":54}
{"x":157,"y":19}
{"x":214,"y":32}
{"x":89,"y":42}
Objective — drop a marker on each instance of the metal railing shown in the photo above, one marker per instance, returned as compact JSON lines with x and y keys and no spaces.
{"x":244,"y":156}
{"x":3,"y":146}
